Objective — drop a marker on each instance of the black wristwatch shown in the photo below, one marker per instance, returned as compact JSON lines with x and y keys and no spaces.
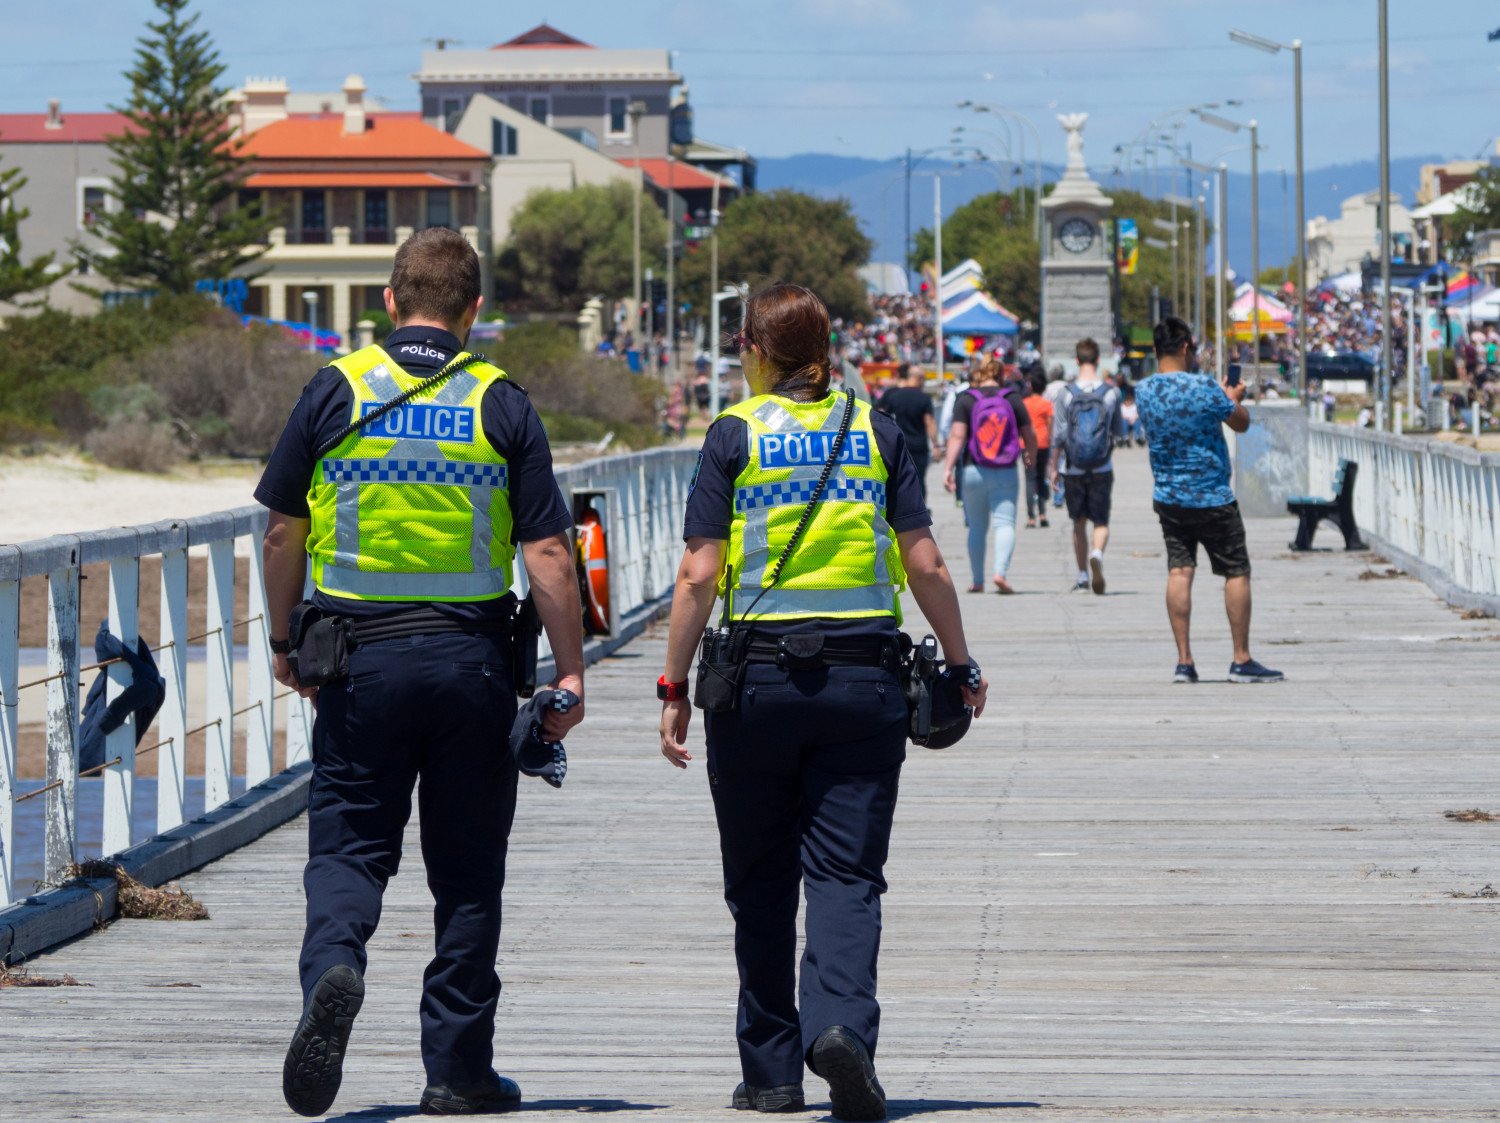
{"x":280,"y":646}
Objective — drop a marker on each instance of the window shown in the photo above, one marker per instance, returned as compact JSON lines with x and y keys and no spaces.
{"x":540,"y":109}
{"x":619,"y":116}
{"x":453,"y":109}
{"x":314,"y":216}
{"x":93,"y":201}
{"x":252,"y":202}
{"x":502,"y":139}
{"x":93,"y":204}
{"x":440,"y":208}
{"x":377,"y":217}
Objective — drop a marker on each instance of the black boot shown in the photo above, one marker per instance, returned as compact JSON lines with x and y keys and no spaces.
{"x":840,"y":1058}
{"x":490,"y":1096}
{"x":314,"y":1065}
{"x":783,"y":1097}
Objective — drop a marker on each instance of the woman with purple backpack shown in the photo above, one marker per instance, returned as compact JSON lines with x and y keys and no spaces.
{"x":991,"y":432}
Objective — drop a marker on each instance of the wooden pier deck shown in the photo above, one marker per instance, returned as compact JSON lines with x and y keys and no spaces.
{"x":1116,"y":899}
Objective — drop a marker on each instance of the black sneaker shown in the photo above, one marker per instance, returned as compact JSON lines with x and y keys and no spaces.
{"x":1185,"y":672}
{"x":1096,"y":570}
{"x":840,"y":1058}
{"x":1081,"y":585}
{"x":490,"y":1096}
{"x":314,"y":1065}
{"x":783,"y":1097}
{"x":1253,"y":672}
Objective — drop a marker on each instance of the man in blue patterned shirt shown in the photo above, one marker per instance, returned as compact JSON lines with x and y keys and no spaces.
{"x":1183,"y":412}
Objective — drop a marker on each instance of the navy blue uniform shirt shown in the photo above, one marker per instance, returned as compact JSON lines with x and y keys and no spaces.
{"x":510,"y":424}
{"x":726,"y":452}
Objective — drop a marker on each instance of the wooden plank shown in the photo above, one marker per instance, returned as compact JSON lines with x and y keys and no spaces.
{"x":1115,"y":899}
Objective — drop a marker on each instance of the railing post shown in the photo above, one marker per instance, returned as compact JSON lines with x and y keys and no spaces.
{"x":299,"y":716}
{"x":119,"y":779}
{"x":10,"y":657}
{"x":260,"y":725}
{"x":218,"y":674}
{"x":171,"y":783}
{"x":62,"y":719}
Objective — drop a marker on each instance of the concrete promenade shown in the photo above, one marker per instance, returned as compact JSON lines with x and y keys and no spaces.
{"x":1117,"y":898}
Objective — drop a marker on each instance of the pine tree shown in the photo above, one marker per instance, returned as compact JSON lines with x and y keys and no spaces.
{"x":18,"y":279}
{"x":177,"y":178}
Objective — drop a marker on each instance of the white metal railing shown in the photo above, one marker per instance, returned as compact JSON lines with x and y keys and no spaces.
{"x":644,"y":495}
{"x":1433,"y":501}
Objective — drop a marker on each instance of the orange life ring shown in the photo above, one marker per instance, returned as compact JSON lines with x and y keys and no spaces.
{"x":593,"y":565}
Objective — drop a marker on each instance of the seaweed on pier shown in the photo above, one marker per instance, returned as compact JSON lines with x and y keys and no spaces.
{"x":138,"y":901}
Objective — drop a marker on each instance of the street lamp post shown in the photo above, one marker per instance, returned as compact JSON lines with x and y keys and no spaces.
{"x":1271,"y":46}
{"x":1233,"y":127}
{"x":310,"y":298}
{"x":937,"y":283}
{"x":1221,"y":237}
{"x":637,"y":110}
{"x":730,"y":292}
{"x":911,"y":160}
{"x":1020,"y":119}
{"x":1385,"y":216}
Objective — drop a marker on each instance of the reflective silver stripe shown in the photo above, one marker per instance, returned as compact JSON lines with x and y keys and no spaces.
{"x":776,"y":418}
{"x":816,"y":602}
{"x":456,"y":389}
{"x":381,"y":383}
{"x":482,"y":532}
{"x":346,"y":524}
{"x":414,"y":586}
{"x":882,"y":545}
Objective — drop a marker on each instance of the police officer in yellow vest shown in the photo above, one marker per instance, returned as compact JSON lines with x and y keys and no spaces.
{"x":412,"y":516}
{"x":803,"y":766}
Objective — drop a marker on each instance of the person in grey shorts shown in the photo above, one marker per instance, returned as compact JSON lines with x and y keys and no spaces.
{"x":1184,"y":412}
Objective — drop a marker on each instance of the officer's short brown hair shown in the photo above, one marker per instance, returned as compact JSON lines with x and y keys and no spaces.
{"x":436,"y":276}
{"x":1087,"y":352}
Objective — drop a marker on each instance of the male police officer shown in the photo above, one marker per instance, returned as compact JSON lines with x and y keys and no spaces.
{"x":411,"y":520}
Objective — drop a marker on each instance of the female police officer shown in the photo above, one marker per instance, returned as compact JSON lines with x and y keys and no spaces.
{"x":803,"y":760}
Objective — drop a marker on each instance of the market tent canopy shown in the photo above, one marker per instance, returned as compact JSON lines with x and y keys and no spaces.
{"x":980,"y":320}
{"x":1449,"y":204}
{"x":1271,"y":309}
{"x":1344,"y":284}
{"x":1483,"y":308}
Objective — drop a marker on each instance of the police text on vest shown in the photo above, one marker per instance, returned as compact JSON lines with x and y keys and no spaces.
{"x":797,"y":450}
{"x":424,"y":422}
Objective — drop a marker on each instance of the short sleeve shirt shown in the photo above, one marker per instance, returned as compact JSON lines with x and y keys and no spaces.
{"x":510,"y":424}
{"x":1183,"y":415}
{"x":963,"y":409}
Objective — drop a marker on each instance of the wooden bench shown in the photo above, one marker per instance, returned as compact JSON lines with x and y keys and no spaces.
{"x":1311,"y":510}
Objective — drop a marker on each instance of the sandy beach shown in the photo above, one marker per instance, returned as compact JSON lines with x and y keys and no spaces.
{"x":46,"y":495}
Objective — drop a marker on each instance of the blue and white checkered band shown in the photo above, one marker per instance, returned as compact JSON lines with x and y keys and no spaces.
{"x":799,"y":450}
{"x":801,"y":492}
{"x":379,"y":470}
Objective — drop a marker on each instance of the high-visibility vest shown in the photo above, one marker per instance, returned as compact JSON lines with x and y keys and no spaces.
{"x":414,"y":506}
{"x":847,"y":563}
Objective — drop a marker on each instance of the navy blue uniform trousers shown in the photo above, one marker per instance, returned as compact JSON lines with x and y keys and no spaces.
{"x":436,"y":709}
{"x":804,"y":780}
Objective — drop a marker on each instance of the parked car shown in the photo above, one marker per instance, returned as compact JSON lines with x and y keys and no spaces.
{"x":1342,"y":366}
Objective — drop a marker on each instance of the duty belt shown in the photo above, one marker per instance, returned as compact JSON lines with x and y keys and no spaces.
{"x":801,"y":651}
{"x":422,"y":622}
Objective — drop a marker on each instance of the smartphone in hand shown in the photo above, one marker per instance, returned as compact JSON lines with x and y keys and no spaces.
{"x":1234,"y":374}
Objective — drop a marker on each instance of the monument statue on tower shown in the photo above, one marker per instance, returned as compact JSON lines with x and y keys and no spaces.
{"x":1076,"y":258}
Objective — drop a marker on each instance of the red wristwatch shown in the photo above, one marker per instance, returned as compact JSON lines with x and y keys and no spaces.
{"x":671,"y":691}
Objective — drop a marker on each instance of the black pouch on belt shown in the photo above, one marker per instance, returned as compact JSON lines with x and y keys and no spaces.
{"x":800,"y":651}
{"x":319,"y":646}
{"x":721,"y":670}
{"x":524,"y":643}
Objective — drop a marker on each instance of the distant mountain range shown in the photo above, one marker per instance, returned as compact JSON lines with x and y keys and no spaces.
{"x":877,"y":190}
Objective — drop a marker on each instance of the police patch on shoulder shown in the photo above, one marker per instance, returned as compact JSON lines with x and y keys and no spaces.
{"x":698,"y":467}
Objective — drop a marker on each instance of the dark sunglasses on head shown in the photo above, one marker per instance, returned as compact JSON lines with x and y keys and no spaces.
{"x":739,"y":343}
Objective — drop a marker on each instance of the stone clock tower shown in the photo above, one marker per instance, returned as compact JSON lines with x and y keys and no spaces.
{"x":1076,"y":264}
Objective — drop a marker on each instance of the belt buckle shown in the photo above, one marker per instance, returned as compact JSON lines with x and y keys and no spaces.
{"x":802,"y":651}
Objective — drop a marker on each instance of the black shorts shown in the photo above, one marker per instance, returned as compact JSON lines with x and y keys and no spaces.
{"x":1220,"y":531}
{"x":1088,"y":496}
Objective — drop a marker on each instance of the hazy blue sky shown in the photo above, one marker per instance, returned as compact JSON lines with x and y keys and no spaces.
{"x":870,"y":77}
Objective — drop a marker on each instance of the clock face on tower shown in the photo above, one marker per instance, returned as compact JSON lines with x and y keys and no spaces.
{"x":1076,"y":235}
